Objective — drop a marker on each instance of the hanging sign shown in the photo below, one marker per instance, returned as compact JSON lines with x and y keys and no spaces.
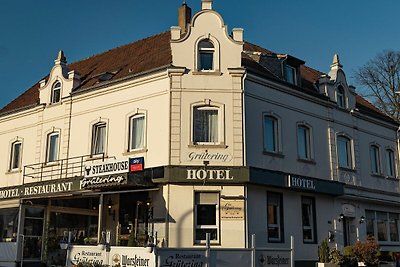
{"x":136,"y":164}
{"x":232,"y":209}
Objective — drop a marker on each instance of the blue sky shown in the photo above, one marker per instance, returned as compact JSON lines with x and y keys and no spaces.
{"x":32,"y":32}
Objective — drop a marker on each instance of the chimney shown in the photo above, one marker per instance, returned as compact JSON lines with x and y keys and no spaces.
{"x":184,"y":17}
{"x":206,"y":4}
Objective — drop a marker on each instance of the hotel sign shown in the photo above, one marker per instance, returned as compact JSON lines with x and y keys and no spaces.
{"x":209,"y":156}
{"x":105,"y":180}
{"x":315,"y":185}
{"x":232,"y":210}
{"x":44,"y":188}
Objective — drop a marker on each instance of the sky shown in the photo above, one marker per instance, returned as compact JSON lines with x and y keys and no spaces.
{"x":32,"y":32}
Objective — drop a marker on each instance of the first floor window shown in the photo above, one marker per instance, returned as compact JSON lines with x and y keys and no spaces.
{"x":270,"y":134}
{"x":344,"y":152}
{"x":308,"y":219}
{"x":206,"y":216}
{"x":303,"y":142}
{"x":136,"y":132}
{"x":384,"y":226}
{"x":98,"y":138}
{"x":52,"y":147}
{"x":390,"y":169}
{"x":16,"y":150}
{"x":375,"y":162}
{"x":205,"y":124}
{"x":274,"y":217}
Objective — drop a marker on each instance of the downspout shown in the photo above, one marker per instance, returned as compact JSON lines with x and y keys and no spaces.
{"x":244,"y":161}
{"x":398,"y":151}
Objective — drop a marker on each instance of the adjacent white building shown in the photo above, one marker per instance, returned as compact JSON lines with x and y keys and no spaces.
{"x":189,"y":132}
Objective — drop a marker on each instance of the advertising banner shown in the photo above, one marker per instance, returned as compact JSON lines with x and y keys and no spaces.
{"x":131,"y":257}
{"x":173,"y":257}
{"x":86,"y":254}
{"x":273,"y":258}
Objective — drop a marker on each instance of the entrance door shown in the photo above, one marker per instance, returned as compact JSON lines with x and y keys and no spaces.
{"x":33,"y":233}
{"x":349,"y":231}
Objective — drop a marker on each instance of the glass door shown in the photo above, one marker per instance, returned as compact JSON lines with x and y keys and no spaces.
{"x":33,"y":233}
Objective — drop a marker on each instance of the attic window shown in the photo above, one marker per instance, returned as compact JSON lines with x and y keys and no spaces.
{"x":55,"y":92}
{"x":340,"y":97}
{"x":206,"y":55}
{"x":290,"y":74}
{"x":105,"y":76}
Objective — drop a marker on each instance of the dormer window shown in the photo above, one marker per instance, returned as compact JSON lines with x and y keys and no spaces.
{"x":55,"y":92}
{"x":290,"y":74}
{"x":340,"y":97}
{"x":206,"y":55}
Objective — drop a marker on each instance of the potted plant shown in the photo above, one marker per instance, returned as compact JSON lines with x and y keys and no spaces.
{"x":366,"y":252}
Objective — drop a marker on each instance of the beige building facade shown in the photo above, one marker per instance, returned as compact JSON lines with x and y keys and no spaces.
{"x":194,"y":133}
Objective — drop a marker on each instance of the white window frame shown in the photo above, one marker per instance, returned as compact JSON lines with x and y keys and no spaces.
{"x":12,"y":160}
{"x":340,"y":96}
{"x":214,"y":51}
{"x":313,"y":224}
{"x":279,"y":224}
{"x":349,"y":151}
{"x":207,"y":51}
{"x":49,"y":146}
{"x":390,"y":162}
{"x":130,"y":132}
{"x":309,"y":148}
{"x":95,"y":129}
{"x":217,"y":218}
{"x":290,"y":74}
{"x":57,"y":86}
{"x":375,"y":158}
{"x":276,"y":134}
{"x":209,"y":105}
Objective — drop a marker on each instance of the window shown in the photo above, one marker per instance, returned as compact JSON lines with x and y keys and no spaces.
{"x":98,"y":138}
{"x":303,"y":142}
{"x":390,"y":169}
{"x":375,"y":159}
{"x":290,"y":74}
{"x":56,"y":92}
{"x":15,"y":156}
{"x":308,"y":218}
{"x":344,"y":152}
{"x":205,"y":124}
{"x":206,"y":216}
{"x":206,"y":55}
{"x":274,"y":217}
{"x":340,"y":97}
{"x":137,"y":132}
{"x":271,"y":134}
{"x":9,"y":224}
{"x":384,"y":226}
{"x":52,"y":147}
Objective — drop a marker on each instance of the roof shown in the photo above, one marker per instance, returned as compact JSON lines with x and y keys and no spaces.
{"x":155,"y":52}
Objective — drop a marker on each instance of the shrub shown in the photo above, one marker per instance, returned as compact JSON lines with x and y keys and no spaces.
{"x":367,"y":251}
{"x":323,"y":252}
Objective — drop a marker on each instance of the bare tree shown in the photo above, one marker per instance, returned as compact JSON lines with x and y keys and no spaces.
{"x":379,"y":79}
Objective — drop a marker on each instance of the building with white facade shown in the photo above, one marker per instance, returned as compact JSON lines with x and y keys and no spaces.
{"x":189,"y":132}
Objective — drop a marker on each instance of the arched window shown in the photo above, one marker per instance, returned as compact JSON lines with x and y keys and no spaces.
{"x":390,"y":163}
{"x":137,"y":124}
{"x":15,"y":155}
{"x":340,"y":97}
{"x":375,"y":159}
{"x":99,"y":132}
{"x":344,"y":152}
{"x":206,"y":52}
{"x":56,"y":92}
{"x":303,"y":142}
{"x":52,"y":147}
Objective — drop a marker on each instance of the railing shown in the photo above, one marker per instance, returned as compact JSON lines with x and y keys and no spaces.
{"x":62,"y":168}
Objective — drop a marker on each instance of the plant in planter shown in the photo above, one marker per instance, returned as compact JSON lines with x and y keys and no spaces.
{"x":349,"y":260}
{"x":323,"y":255}
{"x":367,"y":252}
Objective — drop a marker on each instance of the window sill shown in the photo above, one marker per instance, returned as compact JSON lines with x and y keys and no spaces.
{"x":14,"y":171}
{"x":213,"y":72}
{"x":274,"y":154}
{"x":203,"y":242}
{"x":96,"y":157}
{"x":308,"y":161}
{"x":377,"y":175}
{"x":54,"y":104}
{"x":392,"y":178}
{"x":52,"y":163}
{"x":347,"y":169}
{"x":133,"y":152}
{"x":205,"y":145}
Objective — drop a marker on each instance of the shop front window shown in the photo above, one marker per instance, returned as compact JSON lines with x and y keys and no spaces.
{"x":8,"y":224}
